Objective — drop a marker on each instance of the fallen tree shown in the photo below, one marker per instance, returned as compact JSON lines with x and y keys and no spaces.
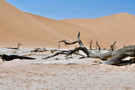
{"x":112,"y":57}
{"x":69,"y":52}
{"x":5,"y":57}
{"x":17,"y":48}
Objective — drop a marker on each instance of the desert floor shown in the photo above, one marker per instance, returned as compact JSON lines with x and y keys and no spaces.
{"x":62,"y":74}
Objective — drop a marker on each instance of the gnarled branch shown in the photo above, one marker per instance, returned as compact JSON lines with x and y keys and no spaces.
{"x":77,"y":41}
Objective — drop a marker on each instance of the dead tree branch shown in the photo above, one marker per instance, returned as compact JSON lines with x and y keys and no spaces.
{"x":66,"y":43}
{"x":59,"y":47}
{"x":112,"y":46}
{"x":98,"y":45}
{"x":91,"y":45}
{"x":77,"y":41}
{"x":58,"y":53}
{"x":85,"y":50}
{"x":18,"y":46}
{"x":67,"y":53}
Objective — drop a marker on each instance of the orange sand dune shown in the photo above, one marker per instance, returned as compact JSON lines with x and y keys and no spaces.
{"x":118,"y":27}
{"x":16,"y":26}
{"x":36,"y":31}
{"x":67,"y":29}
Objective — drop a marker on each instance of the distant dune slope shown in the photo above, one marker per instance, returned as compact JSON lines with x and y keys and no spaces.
{"x":37,"y":31}
{"x":68,"y":30}
{"x":119,"y":27}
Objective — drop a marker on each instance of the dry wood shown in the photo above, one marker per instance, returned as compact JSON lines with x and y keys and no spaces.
{"x":112,"y":46}
{"x":77,"y":41}
{"x":113,"y":57}
{"x":128,"y":51}
{"x":98,"y":45}
{"x":5,"y":57}
{"x":91,"y":45}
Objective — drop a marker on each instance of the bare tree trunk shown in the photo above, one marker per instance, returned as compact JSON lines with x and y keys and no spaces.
{"x":128,"y":51}
{"x":103,"y":56}
{"x":116,"y":59}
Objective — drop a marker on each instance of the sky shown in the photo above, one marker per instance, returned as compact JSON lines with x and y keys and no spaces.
{"x":67,"y":9}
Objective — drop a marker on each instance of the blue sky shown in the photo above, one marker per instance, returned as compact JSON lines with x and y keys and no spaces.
{"x":65,"y":9}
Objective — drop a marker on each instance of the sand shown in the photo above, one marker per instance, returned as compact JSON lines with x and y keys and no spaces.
{"x":62,"y":74}
{"x":21,"y":75}
{"x":36,"y":31}
{"x":118,"y":27}
{"x":58,"y":73}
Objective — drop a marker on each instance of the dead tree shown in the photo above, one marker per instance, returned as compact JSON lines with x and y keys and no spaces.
{"x":112,"y":46}
{"x":39,"y":50}
{"x":117,"y":56}
{"x":112,"y":57}
{"x":17,"y":48}
{"x":59,"y":47}
{"x":5,"y":57}
{"x":98,"y":45}
{"x":82,"y":48}
{"x":77,"y":41}
{"x":69,"y":52}
{"x":91,"y":45}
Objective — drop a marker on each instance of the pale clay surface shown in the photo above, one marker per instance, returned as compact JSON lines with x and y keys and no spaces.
{"x":71,"y":74}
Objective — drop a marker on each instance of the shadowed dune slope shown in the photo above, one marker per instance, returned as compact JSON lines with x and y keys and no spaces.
{"x":37,"y":31}
{"x":16,"y":26}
